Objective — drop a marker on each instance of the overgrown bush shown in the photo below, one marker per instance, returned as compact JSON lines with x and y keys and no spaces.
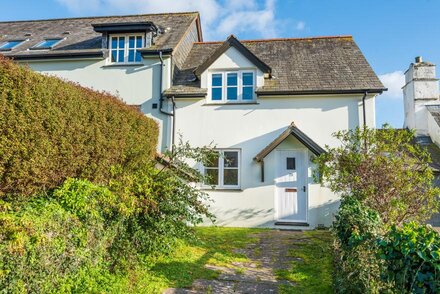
{"x":412,"y":258}
{"x":52,"y":130}
{"x":357,"y":267}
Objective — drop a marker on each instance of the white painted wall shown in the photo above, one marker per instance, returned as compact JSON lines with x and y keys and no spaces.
{"x":252,"y":127}
{"x":421,"y":89}
{"x":134,"y":84}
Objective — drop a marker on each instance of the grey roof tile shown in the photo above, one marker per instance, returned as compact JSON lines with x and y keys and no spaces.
{"x":82,"y":37}
{"x":302,"y":64}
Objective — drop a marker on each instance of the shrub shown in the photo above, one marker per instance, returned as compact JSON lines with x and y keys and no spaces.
{"x":53,"y":129}
{"x":412,"y":258}
{"x":47,"y":241}
{"x":383,"y":169}
{"x":356,"y":229}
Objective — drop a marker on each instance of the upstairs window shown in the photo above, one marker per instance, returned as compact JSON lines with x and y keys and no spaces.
{"x":232,"y":86}
{"x":47,"y":44}
{"x":223,"y":169}
{"x":8,"y":45}
{"x":124,"y":48}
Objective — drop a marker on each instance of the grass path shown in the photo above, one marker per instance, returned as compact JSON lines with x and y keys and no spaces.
{"x":238,"y":260}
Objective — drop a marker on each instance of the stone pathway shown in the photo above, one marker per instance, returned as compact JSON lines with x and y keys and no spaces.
{"x":268,"y":254}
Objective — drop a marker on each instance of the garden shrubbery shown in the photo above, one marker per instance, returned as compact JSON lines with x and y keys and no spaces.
{"x":386,"y":191}
{"x":82,"y":198}
{"x":52,"y":130}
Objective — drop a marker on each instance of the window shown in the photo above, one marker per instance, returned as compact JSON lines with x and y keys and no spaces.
{"x":10,"y":44}
{"x":47,"y":44}
{"x":237,"y":86}
{"x":124,"y":48}
{"x":223,"y":169}
{"x":290,"y":163}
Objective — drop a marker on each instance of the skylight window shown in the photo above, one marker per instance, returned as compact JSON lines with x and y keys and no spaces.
{"x":47,"y":44}
{"x":8,"y":45}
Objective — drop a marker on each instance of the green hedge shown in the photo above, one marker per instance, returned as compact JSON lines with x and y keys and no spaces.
{"x":52,"y":130}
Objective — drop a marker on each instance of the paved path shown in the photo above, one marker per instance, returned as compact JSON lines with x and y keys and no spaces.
{"x":268,"y":254}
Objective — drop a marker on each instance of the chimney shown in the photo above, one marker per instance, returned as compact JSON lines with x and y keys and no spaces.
{"x":421,"y":89}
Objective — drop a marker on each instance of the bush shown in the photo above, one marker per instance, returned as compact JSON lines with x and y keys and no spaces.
{"x":47,"y":241}
{"x":53,"y":129}
{"x":356,"y":229}
{"x":412,"y":258}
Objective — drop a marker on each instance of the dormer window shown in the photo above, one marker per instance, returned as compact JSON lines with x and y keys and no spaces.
{"x":9,"y":45}
{"x":47,"y":44}
{"x":124,"y":48}
{"x":232,"y":86}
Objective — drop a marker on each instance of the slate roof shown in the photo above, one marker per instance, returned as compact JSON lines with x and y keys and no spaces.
{"x":299,"y":66}
{"x":81,"y":38}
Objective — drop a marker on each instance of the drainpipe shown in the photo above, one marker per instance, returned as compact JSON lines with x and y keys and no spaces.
{"x":161,"y":99}
{"x":364,"y":109}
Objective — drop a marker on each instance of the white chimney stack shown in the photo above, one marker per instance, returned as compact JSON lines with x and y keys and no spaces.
{"x":421,"y":89}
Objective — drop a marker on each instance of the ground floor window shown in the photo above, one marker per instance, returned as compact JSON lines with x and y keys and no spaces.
{"x":222,"y":170}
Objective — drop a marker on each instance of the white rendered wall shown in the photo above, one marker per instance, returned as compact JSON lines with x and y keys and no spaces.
{"x":250,"y":128}
{"x":134,"y":84}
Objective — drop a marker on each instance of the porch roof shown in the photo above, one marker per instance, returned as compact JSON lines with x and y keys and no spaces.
{"x":297,"y":133}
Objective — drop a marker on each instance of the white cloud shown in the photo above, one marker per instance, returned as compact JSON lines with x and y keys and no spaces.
{"x":219,"y":18}
{"x":394,"y":81}
{"x":300,"y":26}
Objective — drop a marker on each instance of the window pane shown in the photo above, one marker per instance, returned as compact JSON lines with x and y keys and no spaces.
{"x":130,"y":55}
{"x":10,"y":44}
{"x":211,"y":176}
{"x":121,"y":56}
{"x":217,"y":80}
{"x":290,"y":163}
{"x":114,"y":55}
{"x":114,"y":42}
{"x":231,"y":159}
{"x":230,"y":177}
{"x":248,"y":79}
{"x":131,"y":42}
{"x":121,"y":42}
{"x":212,"y":160}
{"x":139,"y":42}
{"x":138,"y":57}
{"x":232,"y":93}
{"x":216,"y":93}
{"x":232,"y":79}
{"x":248,"y":93}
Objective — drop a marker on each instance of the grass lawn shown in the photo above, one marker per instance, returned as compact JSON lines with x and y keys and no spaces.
{"x":215,"y":247}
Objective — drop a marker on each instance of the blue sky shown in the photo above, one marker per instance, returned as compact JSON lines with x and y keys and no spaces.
{"x":390,"y":33}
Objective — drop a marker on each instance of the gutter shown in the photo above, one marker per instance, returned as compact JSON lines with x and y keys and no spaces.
{"x":314,"y":92}
{"x":58,"y":55}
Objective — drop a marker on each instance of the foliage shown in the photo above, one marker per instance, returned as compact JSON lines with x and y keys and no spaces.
{"x":412,"y":258}
{"x":356,"y":228}
{"x":53,"y":130}
{"x":383,"y":169}
{"x":313,"y":272}
{"x":48,"y":241}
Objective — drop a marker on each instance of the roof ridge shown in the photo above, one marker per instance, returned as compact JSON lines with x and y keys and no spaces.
{"x":103,"y":16}
{"x":282,"y":39}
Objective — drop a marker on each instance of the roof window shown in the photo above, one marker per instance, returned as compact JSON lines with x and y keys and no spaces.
{"x":8,"y":45}
{"x":47,"y":44}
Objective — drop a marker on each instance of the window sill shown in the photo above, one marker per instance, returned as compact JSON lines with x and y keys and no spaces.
{"x":134,"y":64}
{"x":230,"y":103}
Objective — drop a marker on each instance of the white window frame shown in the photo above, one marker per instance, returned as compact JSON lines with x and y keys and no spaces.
{"x":240,"y":86}
{"x":126,"y":47}
{"x":4,"y":43}
{"x":37,"y":46}
{"x":221,"y":169}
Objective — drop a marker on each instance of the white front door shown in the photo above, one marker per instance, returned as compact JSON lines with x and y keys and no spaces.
{"x":291,"y":186}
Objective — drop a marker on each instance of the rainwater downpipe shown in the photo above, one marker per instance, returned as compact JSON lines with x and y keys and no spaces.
{"x":364,"y":111}
{"x":161,"y":98}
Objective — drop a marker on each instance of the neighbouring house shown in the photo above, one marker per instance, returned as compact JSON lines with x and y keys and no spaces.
{"x":269,"y":106}
{"x":421,"y":98}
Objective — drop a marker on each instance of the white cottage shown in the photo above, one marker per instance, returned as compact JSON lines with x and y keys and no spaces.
{"x":268,"y":105}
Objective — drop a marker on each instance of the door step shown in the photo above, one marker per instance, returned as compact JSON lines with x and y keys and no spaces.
{"x":293,"y":224}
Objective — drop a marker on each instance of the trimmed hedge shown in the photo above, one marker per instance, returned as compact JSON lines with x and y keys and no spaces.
{"x":52,"y":130}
